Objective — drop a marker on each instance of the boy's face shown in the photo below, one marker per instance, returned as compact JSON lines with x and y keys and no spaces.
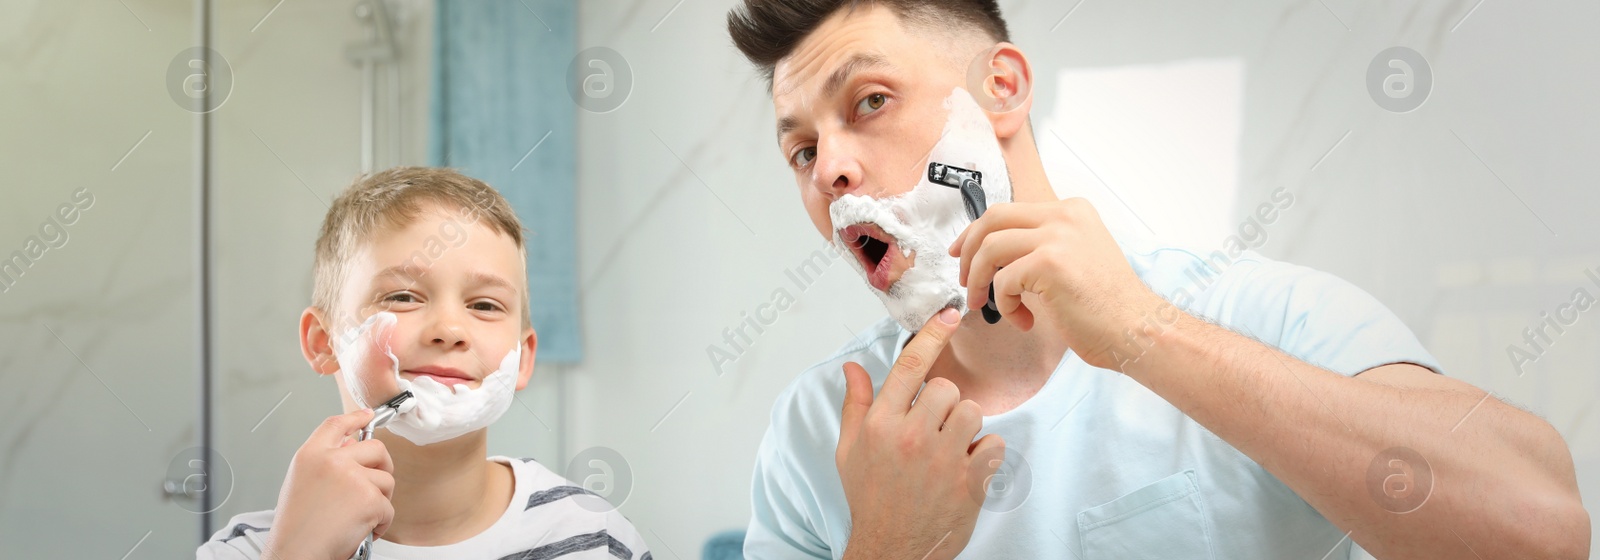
{"x":455,"y":287}
{"x":859,"y":103}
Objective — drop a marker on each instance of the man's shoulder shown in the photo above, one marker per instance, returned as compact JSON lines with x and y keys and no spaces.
{"x":1171,"y":267}
{"x":1219,"y":284}
{"x":1316,"y":316}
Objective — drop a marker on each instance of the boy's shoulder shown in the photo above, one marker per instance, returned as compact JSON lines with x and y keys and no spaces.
{"x":244,"y":536}
{"x":569,"y":519}
{"x":573,"y":517}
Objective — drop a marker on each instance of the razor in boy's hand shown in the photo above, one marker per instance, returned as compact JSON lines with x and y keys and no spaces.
{"x":380,"y":416}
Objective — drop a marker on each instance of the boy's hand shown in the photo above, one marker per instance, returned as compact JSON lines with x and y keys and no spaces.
{"x":909,"y":468}
{"x":336,"y":492}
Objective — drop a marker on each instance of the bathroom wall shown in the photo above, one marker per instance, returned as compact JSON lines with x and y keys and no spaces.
{"x":99,"y":358}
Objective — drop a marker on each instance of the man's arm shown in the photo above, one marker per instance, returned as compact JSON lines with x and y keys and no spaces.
{"x":1502,"y":480}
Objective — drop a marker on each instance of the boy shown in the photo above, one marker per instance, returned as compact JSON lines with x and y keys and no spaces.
{"x":420,"y":284}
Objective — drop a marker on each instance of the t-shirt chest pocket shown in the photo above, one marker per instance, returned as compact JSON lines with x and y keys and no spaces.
{"x":1165,"y":519}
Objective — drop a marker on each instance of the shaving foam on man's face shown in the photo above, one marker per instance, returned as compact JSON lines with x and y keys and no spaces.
{"x":919,"y":225}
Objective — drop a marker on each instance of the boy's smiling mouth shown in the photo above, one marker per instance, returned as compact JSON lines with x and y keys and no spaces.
{"x":444,"y":375}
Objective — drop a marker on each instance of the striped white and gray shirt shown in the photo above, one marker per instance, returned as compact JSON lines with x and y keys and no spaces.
{"x":549,"y":518}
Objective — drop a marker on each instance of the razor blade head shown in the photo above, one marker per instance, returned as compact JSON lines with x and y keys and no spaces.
{"x":394,"y":403}
{"x":952,"y":176}
{"x":967,"y":181}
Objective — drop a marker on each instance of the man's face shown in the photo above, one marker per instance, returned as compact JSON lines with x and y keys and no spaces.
{"x":859,"y":104}
{"x":454,"y":287}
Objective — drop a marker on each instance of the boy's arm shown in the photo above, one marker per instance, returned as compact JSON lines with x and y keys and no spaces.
{"x":624,"y":532}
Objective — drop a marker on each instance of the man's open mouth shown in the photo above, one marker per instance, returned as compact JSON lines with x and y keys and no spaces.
{"x":876,"y":251}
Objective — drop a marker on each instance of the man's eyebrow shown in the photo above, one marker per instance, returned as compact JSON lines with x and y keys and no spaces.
{"x":785,"y":126}
{"x":857,"y":63}
{"x":836,"y":80}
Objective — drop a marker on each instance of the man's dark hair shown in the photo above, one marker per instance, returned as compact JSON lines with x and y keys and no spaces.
{"x":768,"y":30}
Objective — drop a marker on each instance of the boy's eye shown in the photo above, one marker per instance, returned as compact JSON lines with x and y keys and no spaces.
{"x":803,"y":156}
{"x":870,"y":103}
{"x":401,"y":297}
{"x":484,"y":306}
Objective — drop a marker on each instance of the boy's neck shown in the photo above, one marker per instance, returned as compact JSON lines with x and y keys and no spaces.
{"x":446,"y":492}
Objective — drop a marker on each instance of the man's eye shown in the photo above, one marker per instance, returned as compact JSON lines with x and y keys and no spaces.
{"x":870,"y":103}
{"x":804,"y":156}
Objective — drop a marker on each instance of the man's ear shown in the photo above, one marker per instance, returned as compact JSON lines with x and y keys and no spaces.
{"x":1001,"y":81}
{"x":315,"y":342}
{"x":530,"y":347}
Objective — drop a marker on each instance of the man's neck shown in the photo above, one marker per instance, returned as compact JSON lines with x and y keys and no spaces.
{"x":1000,"y":366}
{"x":447,"y":492}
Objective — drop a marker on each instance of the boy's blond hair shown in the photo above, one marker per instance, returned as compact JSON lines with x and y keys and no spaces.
{"x":393,"y":199}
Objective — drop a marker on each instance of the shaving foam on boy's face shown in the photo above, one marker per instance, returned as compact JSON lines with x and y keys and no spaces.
{"x":436,"y":411}
{"x":920,"y":225}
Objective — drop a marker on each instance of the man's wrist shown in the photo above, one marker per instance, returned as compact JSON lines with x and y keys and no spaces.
{"x":1153,"y":333}
{"x":869,"y":547}
{"x":857,"y":548}
{"x":866,"y":547}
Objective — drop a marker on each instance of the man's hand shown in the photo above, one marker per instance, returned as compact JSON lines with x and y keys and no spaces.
{"x":1063,"y":255}
{"x":910,"y":468}
{"x":336,"y":492}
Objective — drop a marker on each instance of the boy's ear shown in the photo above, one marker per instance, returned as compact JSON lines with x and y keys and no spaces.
{"x":315,"y":342}
{"x":530,"y":341}
{"x":1001,"y":81}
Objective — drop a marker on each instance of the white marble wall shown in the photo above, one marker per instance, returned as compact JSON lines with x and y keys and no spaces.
{"x":99,"y":352}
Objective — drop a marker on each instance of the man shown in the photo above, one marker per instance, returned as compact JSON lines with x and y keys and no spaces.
{"x":1149,"y":403}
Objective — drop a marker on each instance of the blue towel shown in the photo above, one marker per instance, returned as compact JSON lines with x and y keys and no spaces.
{"x":499,"y":90}
{"x":727,"y":545}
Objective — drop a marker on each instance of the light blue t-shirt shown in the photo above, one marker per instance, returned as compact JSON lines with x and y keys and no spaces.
{"x":1111,"y":470}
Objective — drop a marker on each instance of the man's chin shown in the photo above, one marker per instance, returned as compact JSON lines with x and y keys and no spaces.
{"x":912,"y":309}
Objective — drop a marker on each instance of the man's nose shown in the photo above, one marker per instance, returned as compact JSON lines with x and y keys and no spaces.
{"x":838,"y":171}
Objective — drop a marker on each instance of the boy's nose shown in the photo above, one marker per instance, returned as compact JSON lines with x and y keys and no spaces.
{"x":450,"y":340}
{"x":450,"y":335}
